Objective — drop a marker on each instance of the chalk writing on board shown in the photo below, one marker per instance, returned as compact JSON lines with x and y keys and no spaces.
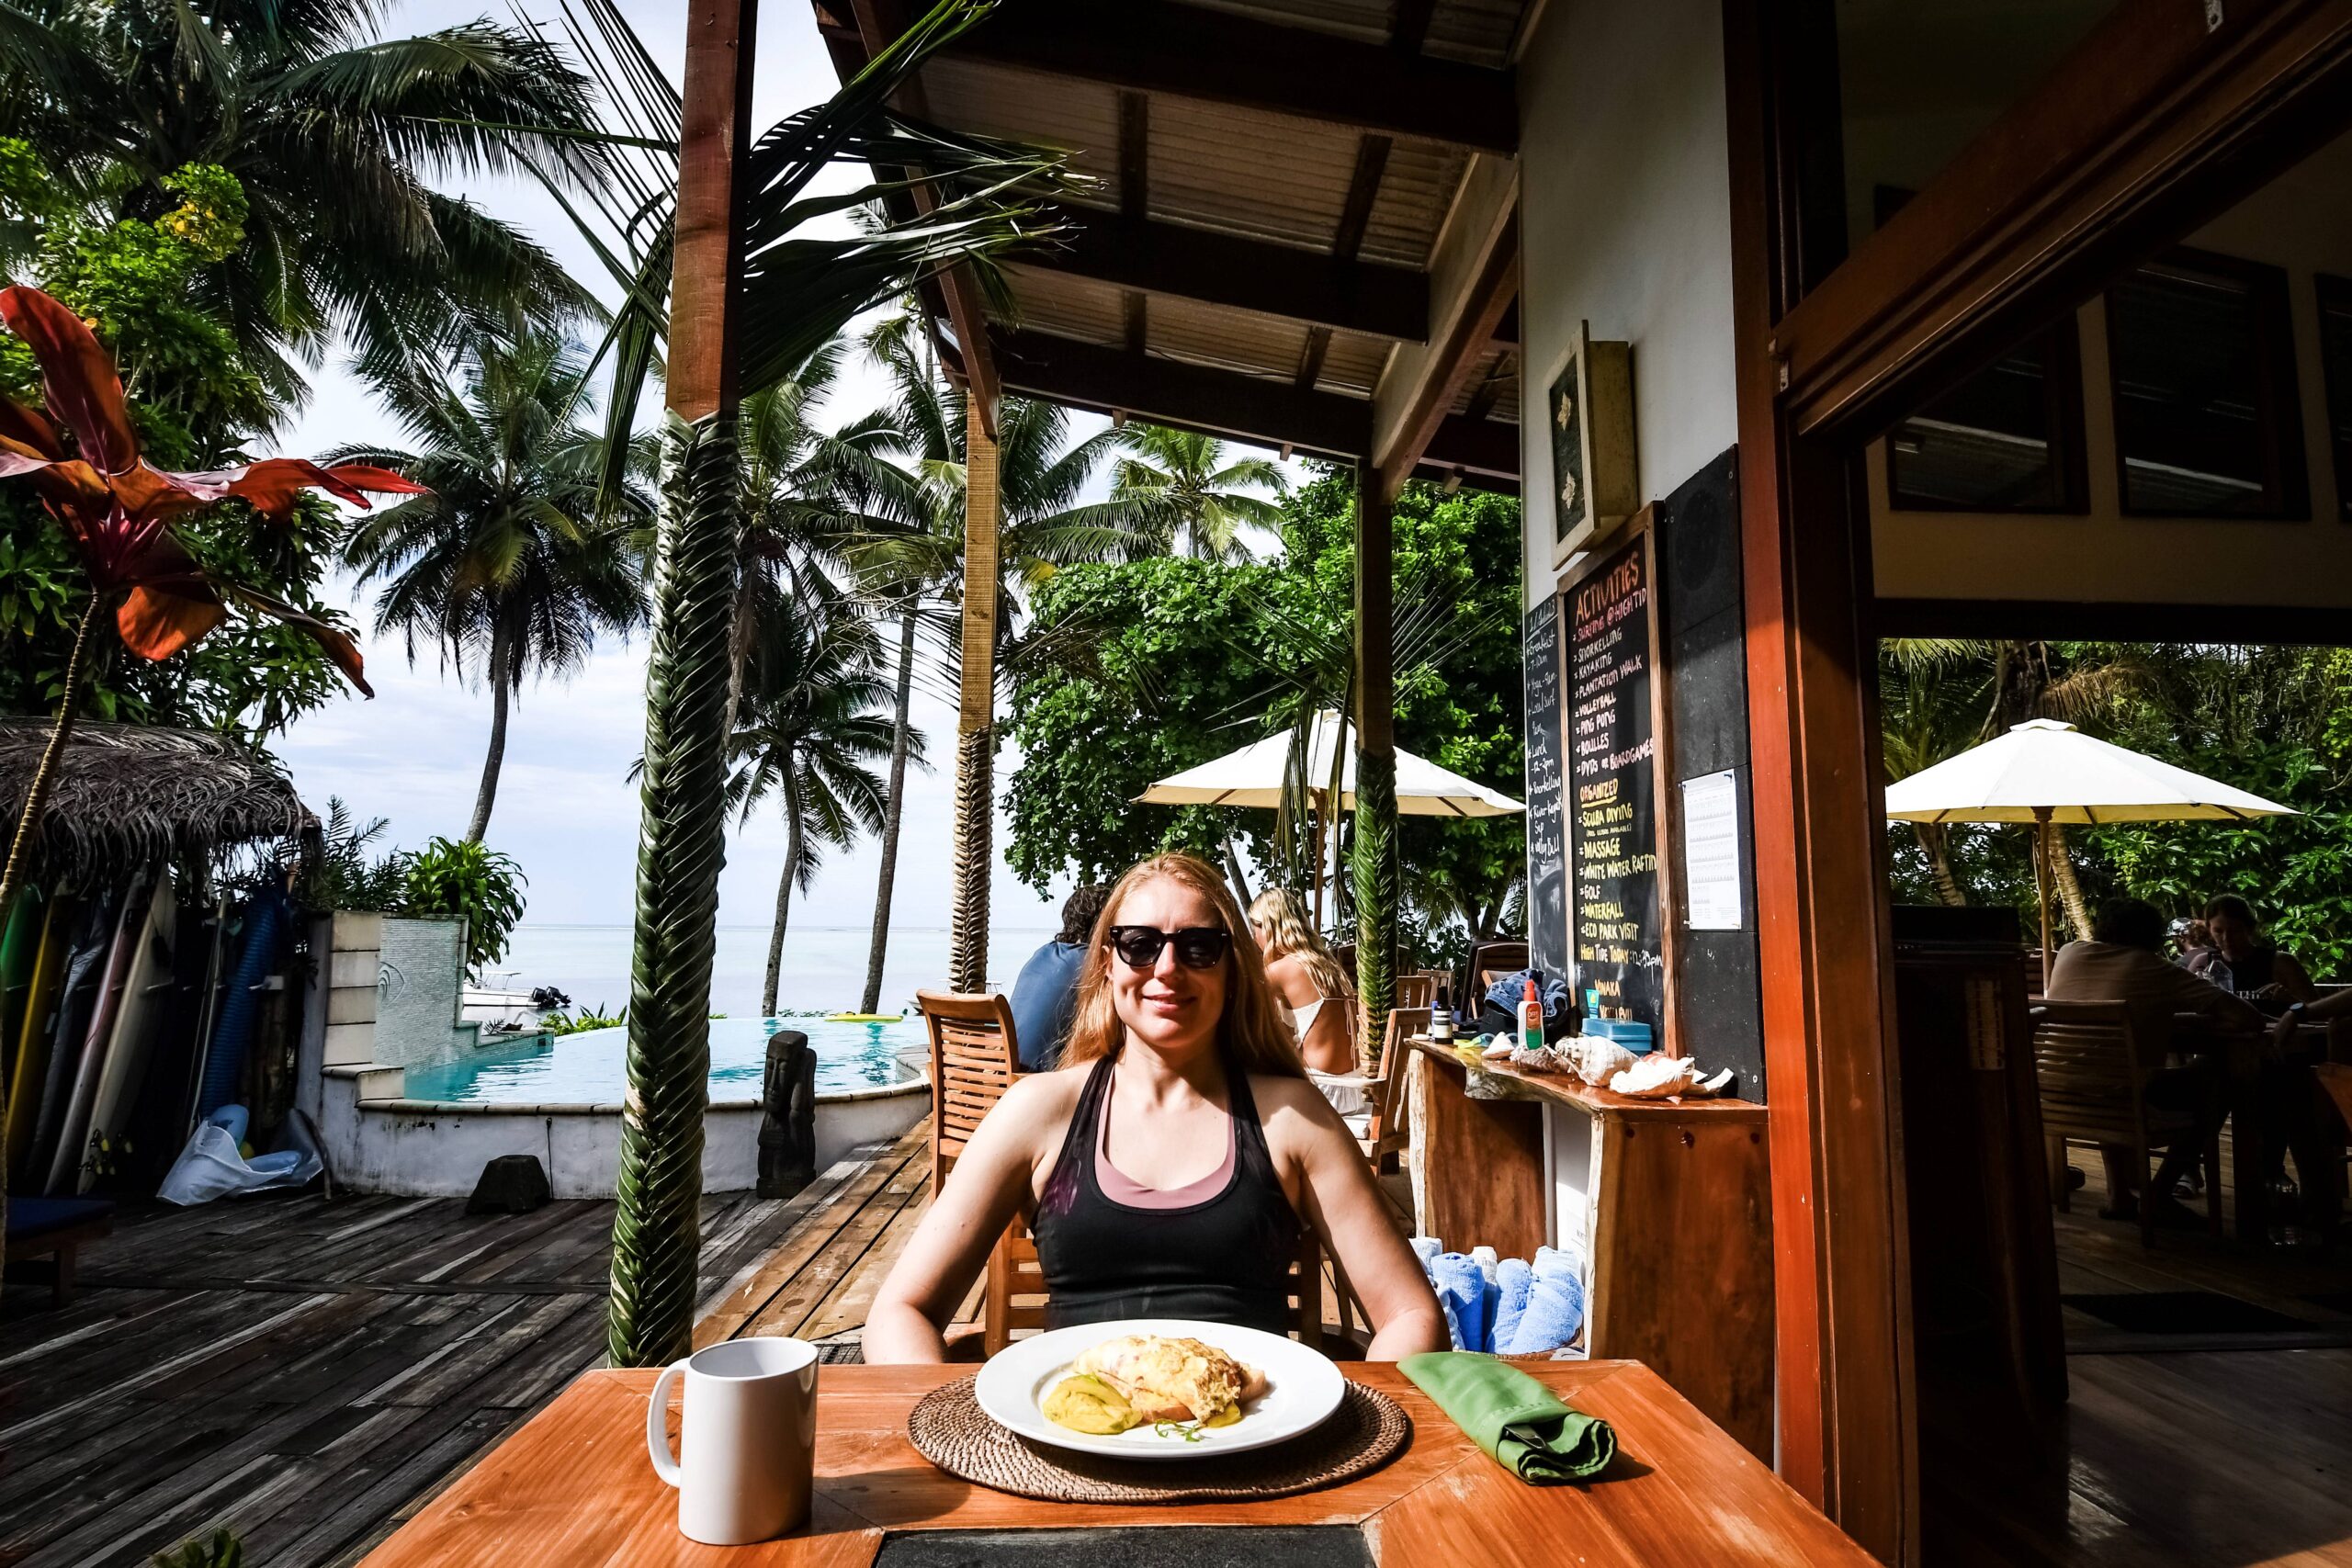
{"x":1547,"y":917}
{"x":1612,"y":809}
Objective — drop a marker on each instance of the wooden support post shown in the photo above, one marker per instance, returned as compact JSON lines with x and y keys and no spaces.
{"x":1847,"y":1428}
{"x":1378,"y":876}
{"x":681,"y":839}
{"x":974,"y":852}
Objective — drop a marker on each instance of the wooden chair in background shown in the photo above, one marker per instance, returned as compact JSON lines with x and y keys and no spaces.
{"x":975,"y":1055}
{"x":1415,"y":989}
{"x":2091,"y":1064}
{"x":1386,"y":1130}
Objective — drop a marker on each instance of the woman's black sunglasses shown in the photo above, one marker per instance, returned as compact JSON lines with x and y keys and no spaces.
{"x":1197,"y":947}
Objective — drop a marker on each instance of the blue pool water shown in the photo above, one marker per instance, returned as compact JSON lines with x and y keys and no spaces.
{"x":590,"y":1067}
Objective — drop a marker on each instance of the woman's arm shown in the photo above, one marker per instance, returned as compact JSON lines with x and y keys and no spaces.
{"x":2292,"y":980}
{"x":990,"y":1182}
{"x":1348,"y":1212}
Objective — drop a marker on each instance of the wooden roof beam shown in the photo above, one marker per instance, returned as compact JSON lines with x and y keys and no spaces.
{"x":1187,"y":397}
{"x":1189,"y":51}
{"x":1244,"y":274}
{"x":878,"y":22}
{"x":1474,"y":277}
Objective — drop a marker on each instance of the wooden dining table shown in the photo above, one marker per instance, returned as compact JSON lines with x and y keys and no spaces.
{"x":573,"y":1486}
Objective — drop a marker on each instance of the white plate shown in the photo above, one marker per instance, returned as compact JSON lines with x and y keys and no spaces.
{"x":1303,"y":1388}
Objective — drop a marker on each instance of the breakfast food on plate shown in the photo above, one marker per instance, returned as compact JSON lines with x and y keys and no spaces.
{"x":1086,"y":1403}
{"x":1166,"y":1379}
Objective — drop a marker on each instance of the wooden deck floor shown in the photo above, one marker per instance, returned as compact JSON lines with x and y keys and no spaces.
{"x":303,"y":1371}
{"x":2215,"y":1450}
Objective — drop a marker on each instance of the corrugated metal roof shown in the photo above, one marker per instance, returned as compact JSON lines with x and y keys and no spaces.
{"x":1281,"y":179}
{"x":1478,"y":31}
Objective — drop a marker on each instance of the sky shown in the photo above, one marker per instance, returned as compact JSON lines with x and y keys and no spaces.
{"x":566,"y":811}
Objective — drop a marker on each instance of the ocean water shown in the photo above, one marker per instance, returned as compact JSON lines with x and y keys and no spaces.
{"x":823,"y":970}
{"x":591,"y":1067}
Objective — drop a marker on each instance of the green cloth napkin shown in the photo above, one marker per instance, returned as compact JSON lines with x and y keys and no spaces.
{"x":1516,"y":1421}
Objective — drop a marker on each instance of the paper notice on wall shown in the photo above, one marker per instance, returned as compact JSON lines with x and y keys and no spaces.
{"x":1711,"y":852}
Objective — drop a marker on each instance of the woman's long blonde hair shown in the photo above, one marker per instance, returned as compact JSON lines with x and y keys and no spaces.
{"x":1294,"y":936}
{"x":1249,"y":1030}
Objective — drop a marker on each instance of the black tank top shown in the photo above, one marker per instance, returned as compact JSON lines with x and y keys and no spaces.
{"x":2253,"y":971}
{"x":1225,"y":1259}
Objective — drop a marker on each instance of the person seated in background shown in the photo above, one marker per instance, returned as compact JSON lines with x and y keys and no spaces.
{"x":2196,"y":946}
{"x":1314,"y":991}
{"x":1045,"y":994}
{"x":2240,"y":960}
{"x":2124,"y":962}
{"x":1172,"y":1167}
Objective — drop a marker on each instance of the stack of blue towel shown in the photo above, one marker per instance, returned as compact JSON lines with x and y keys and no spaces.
{"x":1506,"y":1307}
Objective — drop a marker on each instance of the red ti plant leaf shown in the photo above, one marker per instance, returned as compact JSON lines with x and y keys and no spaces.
{"x":170,"y":606}
{"x":117,"y":508}
{"x":77,"y":376}
{"x":332,"y":640}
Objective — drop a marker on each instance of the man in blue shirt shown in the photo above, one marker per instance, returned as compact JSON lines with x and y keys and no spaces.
{"x":1044,"y":994}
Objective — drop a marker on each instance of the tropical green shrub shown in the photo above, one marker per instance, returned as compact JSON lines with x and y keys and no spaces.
{"x":460,"y":878}
{"x":345,"y":876}
{"x":581,"y":1019}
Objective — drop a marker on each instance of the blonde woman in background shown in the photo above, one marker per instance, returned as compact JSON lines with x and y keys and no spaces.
{"x":1314,"y":990}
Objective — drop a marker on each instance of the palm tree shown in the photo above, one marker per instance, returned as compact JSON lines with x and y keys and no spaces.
{"x":1178,"y":486}
{"x":334,"y":134}
{"x":506,"y":565}
{"x":808,"y":731}
{"x":799,"y":291}
{"x":1042,"y":528}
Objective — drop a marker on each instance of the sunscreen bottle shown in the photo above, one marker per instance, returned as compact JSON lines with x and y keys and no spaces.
{"x":1531,"y":1017}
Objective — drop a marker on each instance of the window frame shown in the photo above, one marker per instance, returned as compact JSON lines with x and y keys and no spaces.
{"x":2061,"y":353}
{"x":2334,"y":294}
{"x":2286,"y":495}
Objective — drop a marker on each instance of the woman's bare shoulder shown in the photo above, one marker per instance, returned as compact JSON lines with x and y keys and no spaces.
{"x":1288,"y":975}
{"x":1281,"y":1097}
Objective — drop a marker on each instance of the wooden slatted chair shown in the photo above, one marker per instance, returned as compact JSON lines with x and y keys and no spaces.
{"x":1386,"y":1130}
{"x":975,"y":1055}
{"x":1415,"y":989}
{"x":2090,"y":1065}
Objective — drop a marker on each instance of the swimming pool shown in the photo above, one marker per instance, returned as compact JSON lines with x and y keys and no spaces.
{"x":591,"y":1067}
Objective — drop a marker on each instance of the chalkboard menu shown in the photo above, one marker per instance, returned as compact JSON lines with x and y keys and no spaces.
{"x":1547,"y":866}
{"x":1612,"y":781}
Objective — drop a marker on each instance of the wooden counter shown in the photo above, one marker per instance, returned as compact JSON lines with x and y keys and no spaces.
{"x":1672,"y":1201}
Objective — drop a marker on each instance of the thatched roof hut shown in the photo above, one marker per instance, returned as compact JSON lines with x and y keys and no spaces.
{"x":127,"y":795}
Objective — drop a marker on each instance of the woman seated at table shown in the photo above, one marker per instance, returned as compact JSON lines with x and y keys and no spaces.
{"x":2242,"y":961}
{"x":1168,"y":1168}
{"x":1313,"y":991}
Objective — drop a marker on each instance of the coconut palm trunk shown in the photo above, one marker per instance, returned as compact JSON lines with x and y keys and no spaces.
{"x":879,"y":948}
{"x":500,"y":691}
{"x":974,"y":855}
{"x":2070,"y":886}
{"x":1376,"y":876}
{"x":783,"y":896}
{"x":1935,"y":842}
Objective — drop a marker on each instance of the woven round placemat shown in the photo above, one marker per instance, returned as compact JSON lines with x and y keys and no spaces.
{"x":951,"y":1431}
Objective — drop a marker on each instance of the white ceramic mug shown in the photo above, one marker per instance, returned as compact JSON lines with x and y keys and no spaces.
{"x":749,"y":1442}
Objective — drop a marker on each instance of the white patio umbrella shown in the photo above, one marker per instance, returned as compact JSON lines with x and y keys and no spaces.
{"x":1253,"y":777}
{"x":2044,"y":771}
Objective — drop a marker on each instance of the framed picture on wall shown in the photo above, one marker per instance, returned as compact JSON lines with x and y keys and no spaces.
{"x":1589,"y":408}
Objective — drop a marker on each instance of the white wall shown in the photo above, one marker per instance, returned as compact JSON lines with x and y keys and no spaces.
{"x":2303,"y":223}
{"x":1625,"y":223}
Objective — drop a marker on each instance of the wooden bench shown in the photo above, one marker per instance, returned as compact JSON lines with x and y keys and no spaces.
{"x":55,"y":1228}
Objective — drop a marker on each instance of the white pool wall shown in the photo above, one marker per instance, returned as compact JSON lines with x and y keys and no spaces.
{"x":379,"y":1141}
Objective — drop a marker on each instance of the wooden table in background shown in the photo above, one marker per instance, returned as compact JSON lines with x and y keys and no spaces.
{"x":573,"y":1486}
